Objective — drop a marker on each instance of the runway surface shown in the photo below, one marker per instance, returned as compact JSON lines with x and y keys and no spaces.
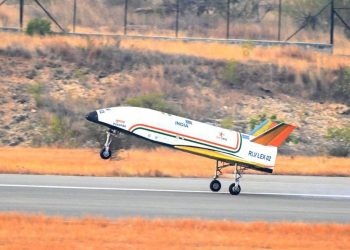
{"x":263,"y":197}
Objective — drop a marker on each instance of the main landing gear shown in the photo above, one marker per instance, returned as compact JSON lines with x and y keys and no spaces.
{"x":106,"y":152}
{"x":234,"y":188}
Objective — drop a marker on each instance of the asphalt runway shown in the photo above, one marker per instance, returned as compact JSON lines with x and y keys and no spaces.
{"x":263,"y":197}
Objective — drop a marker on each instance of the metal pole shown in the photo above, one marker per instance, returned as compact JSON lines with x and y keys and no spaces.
{"x":49,"y":15}
{"x":177,"y":18}
{"x":74,"y":15}
{"x":126,"y":17}
{"x":21,"y":8}
{"x":228,"y":19}
{"x":279,"y":19}
{"x":331,"y":35}
{"x":342,"y":20}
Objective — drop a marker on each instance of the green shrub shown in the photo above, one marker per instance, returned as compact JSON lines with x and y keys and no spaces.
{"x":57,"y":127}
{"x":36,"y":90}
{"x":61,"y":130}
{"x":293,"y":139}
{"x":256,"y":120}
{"x":153,"y":101}
{"x":230,"y":73}
{"x":226,"y":122}
{"x":341,"y":88}
{"x":340,"y":137}
{"x":339,"y":151}
{"x":38,"y":26}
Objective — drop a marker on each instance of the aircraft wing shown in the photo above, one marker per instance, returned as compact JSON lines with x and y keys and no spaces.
{"x":225,"y":158}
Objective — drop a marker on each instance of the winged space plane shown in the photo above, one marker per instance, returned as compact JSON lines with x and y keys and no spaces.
{"x":257,"y":150}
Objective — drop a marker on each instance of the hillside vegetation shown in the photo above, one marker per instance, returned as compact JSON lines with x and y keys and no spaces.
{"x":51,"y":83}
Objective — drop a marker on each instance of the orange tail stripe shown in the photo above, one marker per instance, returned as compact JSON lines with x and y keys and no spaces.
{"x":279,"y":139}
{"x":276,"y":136}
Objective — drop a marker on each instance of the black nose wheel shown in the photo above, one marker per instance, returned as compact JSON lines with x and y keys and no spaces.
{"x":234,"y":189}
{"x":105,"y":153}
{"x":215,"y":185}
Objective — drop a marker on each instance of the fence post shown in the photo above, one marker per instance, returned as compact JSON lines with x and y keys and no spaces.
{"x":279,"y":19}
{"x":228,"y":19}
{"x":331,"y":35}
{"x":177,"y":18}
{"x":21,"y":8}
{"x":74,"y":15}
{"x":126,"y":17}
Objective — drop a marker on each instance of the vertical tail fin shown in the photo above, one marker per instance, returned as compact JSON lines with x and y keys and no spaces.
{"x":263,"y":127}
{"x":274,"y":136}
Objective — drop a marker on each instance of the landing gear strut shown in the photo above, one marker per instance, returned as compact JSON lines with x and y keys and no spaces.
{"x":106,"y":152}
{"x":234,"y":188}
{"x":215,"y":185}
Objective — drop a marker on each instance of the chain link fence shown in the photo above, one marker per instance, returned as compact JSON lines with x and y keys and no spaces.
{"x":297,"y":21}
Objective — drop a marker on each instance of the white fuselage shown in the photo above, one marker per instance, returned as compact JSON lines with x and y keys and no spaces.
{"x":177,"y":131}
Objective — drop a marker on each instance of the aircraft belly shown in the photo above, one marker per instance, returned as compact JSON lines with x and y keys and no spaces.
{"x":206,"y":152}
{"x":226,"y":158}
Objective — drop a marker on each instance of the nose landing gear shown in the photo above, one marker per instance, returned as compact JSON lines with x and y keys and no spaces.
{"x":106,"y":152}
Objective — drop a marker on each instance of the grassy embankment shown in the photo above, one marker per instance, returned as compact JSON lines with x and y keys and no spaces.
{"x":292,"y":57}
{"x":41,"y":232}
{"x":137,"y":162}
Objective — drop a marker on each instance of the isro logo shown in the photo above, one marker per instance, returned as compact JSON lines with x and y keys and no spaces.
{"x":221,"y":136}
{"x":119,"y":123}
{"x":259,"y":156}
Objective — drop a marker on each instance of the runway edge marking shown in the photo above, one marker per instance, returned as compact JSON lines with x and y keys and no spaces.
{"x":169,"y":190}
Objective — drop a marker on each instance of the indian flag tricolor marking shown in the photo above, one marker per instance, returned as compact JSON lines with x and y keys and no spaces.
{"x":190,"y":138}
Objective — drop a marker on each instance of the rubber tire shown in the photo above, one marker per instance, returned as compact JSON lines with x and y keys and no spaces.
{"x":215,"y":185}
{"x":234,"y":190}
{"x":103,"y":154}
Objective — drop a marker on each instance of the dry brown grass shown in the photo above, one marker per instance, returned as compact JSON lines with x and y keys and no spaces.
{"x":137,"y":162}
{"x":41,"y":232}
{"x":32,"y":43}
{"x":302,"y":165}
{"x":291,"y":57}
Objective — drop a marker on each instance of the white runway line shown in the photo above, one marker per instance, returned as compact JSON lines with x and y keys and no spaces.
{"x":170,"y":190}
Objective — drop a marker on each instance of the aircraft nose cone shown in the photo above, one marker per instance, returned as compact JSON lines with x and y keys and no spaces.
{"x":92,"y":116}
